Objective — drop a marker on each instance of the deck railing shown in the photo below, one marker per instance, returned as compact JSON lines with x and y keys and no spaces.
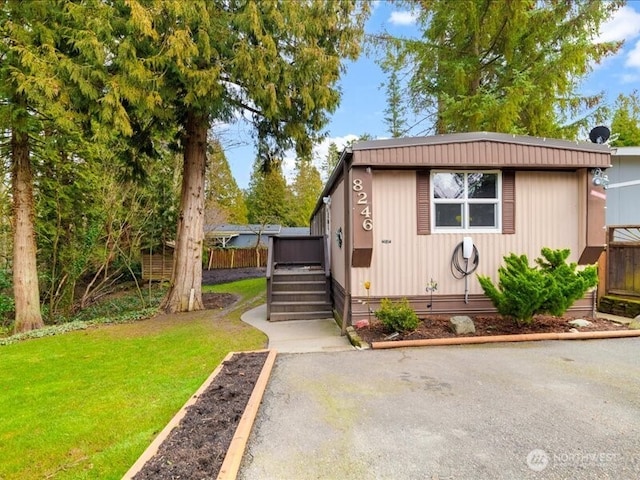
{"x":295,"y":251}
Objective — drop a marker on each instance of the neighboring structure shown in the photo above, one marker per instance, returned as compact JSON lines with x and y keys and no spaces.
{"x":395,"y":213}
{"x":245,"y":236}
{"x":623,"y":197}
{"x":621,"y":277}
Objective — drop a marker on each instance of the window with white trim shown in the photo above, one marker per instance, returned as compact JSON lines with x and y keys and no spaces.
{"x":467,"y":201}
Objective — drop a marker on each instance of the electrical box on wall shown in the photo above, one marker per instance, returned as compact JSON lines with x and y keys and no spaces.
{"x":467,"y":247}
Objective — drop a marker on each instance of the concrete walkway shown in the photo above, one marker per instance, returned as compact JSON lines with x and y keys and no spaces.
{"x":298,"y":336}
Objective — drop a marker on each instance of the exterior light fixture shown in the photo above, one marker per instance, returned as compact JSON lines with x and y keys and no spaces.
{"x":600,"y":179}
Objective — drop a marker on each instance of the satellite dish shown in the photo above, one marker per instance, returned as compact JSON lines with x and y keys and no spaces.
{"x":599,"y":134}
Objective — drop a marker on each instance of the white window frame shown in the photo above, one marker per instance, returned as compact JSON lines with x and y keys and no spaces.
{"x":465,"y":203}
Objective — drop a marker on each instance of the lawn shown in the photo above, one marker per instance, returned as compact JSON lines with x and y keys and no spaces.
{"x":86,"y":404}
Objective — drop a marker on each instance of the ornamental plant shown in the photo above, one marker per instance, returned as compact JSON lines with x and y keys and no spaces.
{"x":397,"y":316}
{"x":552,"y":287}
{"x":568,"y":284}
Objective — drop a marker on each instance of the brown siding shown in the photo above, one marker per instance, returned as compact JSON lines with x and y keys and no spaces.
{"x":362,"y":224}
{"x":453,"y":305}
{"x":422,"y":199}
{"x":508,"y":202}
{"x":481,"y":154}
{"x":338,"y":296}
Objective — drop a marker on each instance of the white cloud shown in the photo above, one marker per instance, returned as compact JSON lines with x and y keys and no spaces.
{"x":403,"y":18}
{"x":624,"y":25}
{"x":630,"y":78}
{"x":320,"y":152}
{"x":633,"y":57}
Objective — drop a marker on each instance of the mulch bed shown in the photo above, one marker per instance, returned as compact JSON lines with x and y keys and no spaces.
{"x":437,"y":326}
{"x":196,"y":448}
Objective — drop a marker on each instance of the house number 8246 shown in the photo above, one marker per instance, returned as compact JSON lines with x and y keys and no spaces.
{"x":362,"y":200}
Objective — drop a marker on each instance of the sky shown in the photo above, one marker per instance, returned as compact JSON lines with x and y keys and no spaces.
{"x":363,"y":94}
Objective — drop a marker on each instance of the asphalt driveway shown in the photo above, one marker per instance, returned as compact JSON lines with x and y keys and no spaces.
{"x":556,"y":410}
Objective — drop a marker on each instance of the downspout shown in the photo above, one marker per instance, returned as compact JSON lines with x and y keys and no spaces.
{"x":346,"y":311}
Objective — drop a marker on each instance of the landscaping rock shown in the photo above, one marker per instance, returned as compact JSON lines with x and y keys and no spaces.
{"x":635,"y":323}
{"x":462,"y":324}
{"x":580,"y":323}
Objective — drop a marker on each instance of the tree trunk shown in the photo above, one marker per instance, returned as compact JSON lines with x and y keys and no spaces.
{"x":25,"y":273}
{"x":185,"y":290}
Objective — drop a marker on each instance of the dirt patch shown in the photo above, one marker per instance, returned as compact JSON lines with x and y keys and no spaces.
{"x":196,"y":448}
{"x":216,"y":301}
{"x":437,"y":326}
{"x":225,"y":275}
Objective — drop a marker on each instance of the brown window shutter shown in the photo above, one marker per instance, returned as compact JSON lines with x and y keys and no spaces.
{"x":508,"y":202}
{"x":423,"y":197}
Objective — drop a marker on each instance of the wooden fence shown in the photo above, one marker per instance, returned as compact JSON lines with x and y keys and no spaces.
{"x":237,"y":257}
{"x":623,"y":261}
{"x":157,"y":266}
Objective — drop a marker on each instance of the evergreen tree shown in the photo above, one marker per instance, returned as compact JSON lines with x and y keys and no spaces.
{"x":49,"y":51}
{"x":5,"y":215}
{"x":269,"y":199}
{"x":333,"y":156}
{"x":396,"y":111}
{"x":278,"y":61}
{"x":509,"y":67}
{"x":626,"y":121}
{"x":224,"y":199}
{"x":306,"y":188}
{"x":330,"y":161}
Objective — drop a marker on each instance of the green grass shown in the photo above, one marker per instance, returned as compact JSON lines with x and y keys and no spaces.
{"x":249,"y":288}
{"x":87,"y":403}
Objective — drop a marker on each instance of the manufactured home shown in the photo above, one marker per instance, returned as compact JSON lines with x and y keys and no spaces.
{"x":623,"y":187}
{"x":419,"y":218}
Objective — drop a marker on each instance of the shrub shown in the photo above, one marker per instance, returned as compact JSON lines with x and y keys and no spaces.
{"x":521,"y":290}
{"x":6,"y":300}
{"x":397,"y":316}
{"x":568,"y":285}
{"x":552,"y":287}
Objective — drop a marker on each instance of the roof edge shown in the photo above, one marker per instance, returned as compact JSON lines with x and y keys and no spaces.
{"x":482,"y":137}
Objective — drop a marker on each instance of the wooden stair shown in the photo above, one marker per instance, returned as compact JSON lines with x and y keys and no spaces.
{"x":299,"y":293}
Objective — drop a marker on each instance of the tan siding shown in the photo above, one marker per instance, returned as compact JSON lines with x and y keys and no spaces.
{"x":483,"y":154}
{"x":582,"y":210}
{"x":454,"y":304}
{"x":547,"y":212}
{"x":337,"y":221}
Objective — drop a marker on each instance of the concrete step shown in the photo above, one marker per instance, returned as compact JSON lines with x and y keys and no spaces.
{"x":282,"y":316}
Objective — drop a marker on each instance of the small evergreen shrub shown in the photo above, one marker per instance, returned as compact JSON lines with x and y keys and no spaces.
{"x":552,"y":287}
{"x":568,"y":285}
{"x":521,"y":290}
{"x":397,"y":316}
